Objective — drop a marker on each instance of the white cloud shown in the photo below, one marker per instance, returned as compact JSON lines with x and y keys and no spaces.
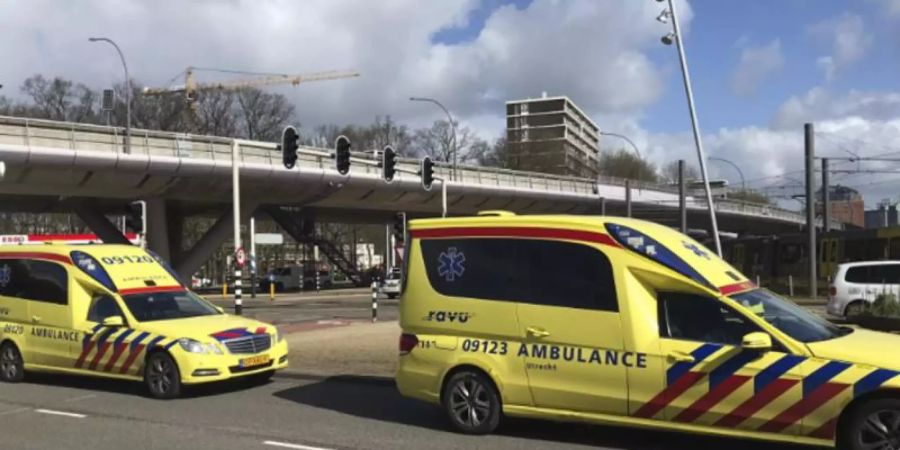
{"x":755,"y":65}
{"x":594,"y":51}
{"x":891,"y":7}
{"x":848,"y":40}
{"x":820,"y":104}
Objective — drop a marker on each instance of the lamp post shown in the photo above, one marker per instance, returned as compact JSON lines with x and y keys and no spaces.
{"x":625,"y":138}
{"x":675,"y":36}
{"x":455,"y":149}
{"x":127,"y":91}
{"x":741,"y":173}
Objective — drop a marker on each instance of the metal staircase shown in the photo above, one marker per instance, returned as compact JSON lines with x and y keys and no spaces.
{"x":302,"y":229}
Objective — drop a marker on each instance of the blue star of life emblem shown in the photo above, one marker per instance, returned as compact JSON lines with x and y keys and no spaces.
{"x":451,"y":264}
{"x":697,"y":250}
{"x":5,"y":275}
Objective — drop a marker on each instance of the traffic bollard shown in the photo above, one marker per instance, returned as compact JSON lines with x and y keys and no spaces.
{"x":224,"y":290}
{"x":757,"y":281}
{"x":374,"y":301}
{"x":317,"y":282}
{"x":271,"y":292}
{"x":791,"y":285}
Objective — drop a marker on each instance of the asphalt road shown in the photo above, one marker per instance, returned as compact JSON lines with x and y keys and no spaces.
{"x":307,"y":413}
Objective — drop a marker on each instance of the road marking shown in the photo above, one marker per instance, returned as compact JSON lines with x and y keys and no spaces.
{"x":60,"y":413}
{"x":294,"y":446}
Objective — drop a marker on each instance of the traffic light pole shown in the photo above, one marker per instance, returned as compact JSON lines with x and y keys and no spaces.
{"x":236,"y":208}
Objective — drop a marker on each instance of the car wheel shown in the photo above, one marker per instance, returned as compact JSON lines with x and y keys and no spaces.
{"x":873,"y":425}
{"x":472,"y":402}
{"x":162,"y":377}
{"x":12,"y":367}
{"x":855,"y":309}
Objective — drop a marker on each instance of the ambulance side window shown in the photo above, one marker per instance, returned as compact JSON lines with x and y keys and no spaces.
{"x":41,"y":281}
{"x":697,"y":318}
{"x":103,"y":306}
{"x":534,"y":271}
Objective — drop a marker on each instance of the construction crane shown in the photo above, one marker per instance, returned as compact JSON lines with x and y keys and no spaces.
{"x":191,"y":86}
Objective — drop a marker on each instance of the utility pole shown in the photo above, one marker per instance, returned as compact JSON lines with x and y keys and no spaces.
{"x":810,"y":150}
{"x":682,"y":199}
{"x":826,"y":208}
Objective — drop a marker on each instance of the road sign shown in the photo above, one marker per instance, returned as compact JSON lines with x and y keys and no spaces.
{"x":240,"y":257}
{"x":269,"y":239}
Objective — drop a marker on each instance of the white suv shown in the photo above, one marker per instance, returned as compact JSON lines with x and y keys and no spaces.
{"x":856,"y":285}
{"x":391,"y":286}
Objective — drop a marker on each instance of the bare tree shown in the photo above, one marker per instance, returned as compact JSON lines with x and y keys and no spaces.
{"x":491,"y":155}
{"x":625,"y":164}
{"x":61,"y":99}
{"x":670,"y":172}
{"x":262,"y":116}
{"x":437,"y":142}
{"x":214,"y":113}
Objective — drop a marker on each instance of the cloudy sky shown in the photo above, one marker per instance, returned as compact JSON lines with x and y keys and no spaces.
{"x":761,"y":68}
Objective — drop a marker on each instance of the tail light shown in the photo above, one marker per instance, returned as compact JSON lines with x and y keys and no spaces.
{"x":832,"y":291}
{"x":407,"y":343}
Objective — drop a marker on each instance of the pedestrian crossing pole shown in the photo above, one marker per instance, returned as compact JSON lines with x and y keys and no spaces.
{"x":374,"y":301}
{"x":316,"y":258}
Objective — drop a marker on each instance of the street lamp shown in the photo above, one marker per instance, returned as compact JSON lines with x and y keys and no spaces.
{"x":741,"y":173}
{"x":455,"y":149}
{"x":127,"y":91}
{"x":675,"y":34}
{"x":625,"y":138}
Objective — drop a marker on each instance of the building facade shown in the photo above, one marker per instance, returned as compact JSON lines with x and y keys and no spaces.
{"x":551,"y":135}
{"x":885,"y":216}
{"x":845,"y":205}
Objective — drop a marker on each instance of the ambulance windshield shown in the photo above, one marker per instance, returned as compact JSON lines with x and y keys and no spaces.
{"x":167,"y":305}
{"x":791,"y":319}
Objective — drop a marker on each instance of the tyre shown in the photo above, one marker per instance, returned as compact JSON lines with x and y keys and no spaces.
{"x":472,"y":402}
{"x":162,"y":377}
{"x":12,"y":367}
{"x":872,"y":425}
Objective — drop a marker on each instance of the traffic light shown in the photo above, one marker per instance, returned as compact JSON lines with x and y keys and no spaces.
{"x":388,"y":163}
{"x":290,"y":142}
{"x":399,"y":228}
{"x":426,"y":171}
{"x":342,"y":154}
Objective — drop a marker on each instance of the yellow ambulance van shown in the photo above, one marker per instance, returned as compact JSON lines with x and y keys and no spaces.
{"x":625,"y":322}
{"x":118,"y":311}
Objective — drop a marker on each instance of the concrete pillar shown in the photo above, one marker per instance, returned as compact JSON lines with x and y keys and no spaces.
{"x":158,"y":228}
{"x":99,"y":224}
{"x":199,"y":254}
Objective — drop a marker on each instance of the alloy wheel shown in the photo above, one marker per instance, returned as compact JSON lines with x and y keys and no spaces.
{"x":9,"y":362}
{"x":470,"y":402}
{"x":161,"y":375}
{"x":880,"y":431}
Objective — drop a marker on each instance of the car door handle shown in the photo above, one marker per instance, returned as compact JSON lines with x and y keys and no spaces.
{"x":681,"y":357}
{"x":537,"y":332}
{"x":35,"y":319}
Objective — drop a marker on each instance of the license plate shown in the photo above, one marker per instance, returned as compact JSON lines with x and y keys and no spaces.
{"x":255,"y":361}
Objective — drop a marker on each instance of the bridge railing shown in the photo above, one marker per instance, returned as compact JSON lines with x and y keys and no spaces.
{"x":98,"y":138}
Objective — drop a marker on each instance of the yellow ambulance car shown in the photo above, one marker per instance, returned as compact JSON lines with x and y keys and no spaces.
{"x":117,"y":311}
{"x":626,"y":322}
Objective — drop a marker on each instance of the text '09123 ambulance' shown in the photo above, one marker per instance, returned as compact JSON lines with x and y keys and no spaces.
{"x":118,"y":311}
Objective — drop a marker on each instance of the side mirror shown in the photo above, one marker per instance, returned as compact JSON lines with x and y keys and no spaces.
{"x":114,"y":322}
{"x":757,"y":341}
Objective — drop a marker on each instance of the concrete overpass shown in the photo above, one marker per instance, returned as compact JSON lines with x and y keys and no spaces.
{"x":62,"y":166}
